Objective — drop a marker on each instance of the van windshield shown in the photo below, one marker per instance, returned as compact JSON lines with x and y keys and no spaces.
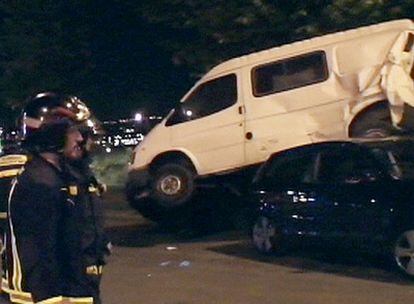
{"x":208,"y":98}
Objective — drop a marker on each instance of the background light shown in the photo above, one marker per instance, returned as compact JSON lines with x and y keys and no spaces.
{"x":138,"y":117}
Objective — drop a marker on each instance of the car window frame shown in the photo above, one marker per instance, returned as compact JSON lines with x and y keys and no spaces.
{"x":289,"y":156}
{"x":380,"y":171}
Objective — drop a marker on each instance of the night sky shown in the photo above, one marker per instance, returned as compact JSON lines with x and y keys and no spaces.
{"x":103,"y":52}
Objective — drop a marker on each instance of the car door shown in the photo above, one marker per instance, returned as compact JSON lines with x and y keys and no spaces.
{"x":289,"y":180}
{"x":355,"y":184}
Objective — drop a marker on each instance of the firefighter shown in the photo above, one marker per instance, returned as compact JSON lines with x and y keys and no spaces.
{"x":56,"y":246}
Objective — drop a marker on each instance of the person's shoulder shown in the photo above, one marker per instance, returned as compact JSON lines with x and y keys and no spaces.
{"x":39,"y":171}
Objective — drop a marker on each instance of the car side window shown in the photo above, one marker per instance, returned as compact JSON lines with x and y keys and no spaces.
{"x":210,"y":97}
{"x":289,"y":169}
{"x":347,"y":166}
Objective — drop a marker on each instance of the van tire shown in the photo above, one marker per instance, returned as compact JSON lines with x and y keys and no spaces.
{"x":375,"y":122}
{"x":172,"y":185}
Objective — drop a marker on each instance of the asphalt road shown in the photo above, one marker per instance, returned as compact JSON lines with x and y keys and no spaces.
{"x":151,"y":265}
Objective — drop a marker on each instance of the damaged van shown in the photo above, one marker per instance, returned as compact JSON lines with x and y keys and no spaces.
{"x":355,"y":83}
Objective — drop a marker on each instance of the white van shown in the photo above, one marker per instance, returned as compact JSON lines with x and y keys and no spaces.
{"x":356,"y":83}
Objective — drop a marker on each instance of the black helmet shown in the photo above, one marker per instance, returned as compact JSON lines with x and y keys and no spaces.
{"x":47,"y":107}
{"x":47,"y":117}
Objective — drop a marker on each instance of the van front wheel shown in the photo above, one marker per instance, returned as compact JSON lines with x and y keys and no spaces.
{"x":173,"y":185}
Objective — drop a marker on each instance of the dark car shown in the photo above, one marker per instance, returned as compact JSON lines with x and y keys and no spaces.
{"x":358,"y":195}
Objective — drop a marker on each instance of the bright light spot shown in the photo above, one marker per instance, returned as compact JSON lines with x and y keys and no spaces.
{"x":189,"y":113}
{"x":303,"y":199}
{"x":40,"y":95}
{"x":138,"y":117}
{"x":44,"y":109}
{"x":80,"y":116}
{"x":89,"y":123}
{"x":108,"y":150}
{"x":69,"y":105}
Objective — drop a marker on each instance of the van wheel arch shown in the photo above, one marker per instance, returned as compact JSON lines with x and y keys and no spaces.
{"x":172,"y":157}
{"x":172,"y":188}
{"x":373,"y":122}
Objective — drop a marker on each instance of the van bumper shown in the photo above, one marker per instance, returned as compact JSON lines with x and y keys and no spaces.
{"x":138,"y":184}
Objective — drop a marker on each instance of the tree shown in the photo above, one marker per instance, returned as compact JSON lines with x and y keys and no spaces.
{"x":204,"y":33}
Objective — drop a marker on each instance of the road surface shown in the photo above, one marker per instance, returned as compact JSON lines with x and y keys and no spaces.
{"x":150,"y":265}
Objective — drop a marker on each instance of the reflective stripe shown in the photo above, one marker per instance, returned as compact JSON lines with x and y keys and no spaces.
{"x":20,"y":297}
{"x":17,"y":275}
{"x":9,"y":173}
{"x":5,"y":285}
{"x":73,"y":190}
{"x":13,"y":159}
{"x":88,"y":300}
{"x":26,"y":298}
{"x":94,"y":269}
{"x":61,"y":300}
{"x":52,"y":300}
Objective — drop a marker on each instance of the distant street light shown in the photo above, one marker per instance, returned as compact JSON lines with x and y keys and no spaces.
{"x":138,"y":116}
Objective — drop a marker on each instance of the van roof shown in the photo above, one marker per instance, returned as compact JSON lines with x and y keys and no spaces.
{"x":306,"y":45}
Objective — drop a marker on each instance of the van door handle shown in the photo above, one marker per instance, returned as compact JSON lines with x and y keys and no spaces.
{"x":241,"y":109}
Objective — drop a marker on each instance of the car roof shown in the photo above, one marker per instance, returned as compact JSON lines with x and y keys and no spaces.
{"x":357,"y":142}
{"x":309,"y":148}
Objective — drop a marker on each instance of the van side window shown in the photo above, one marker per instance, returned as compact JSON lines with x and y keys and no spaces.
{"x":289,"y":74}
{"x":210,"y":97}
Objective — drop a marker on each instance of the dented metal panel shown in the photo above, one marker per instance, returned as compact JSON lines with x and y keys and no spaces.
{"x":396,"y":79}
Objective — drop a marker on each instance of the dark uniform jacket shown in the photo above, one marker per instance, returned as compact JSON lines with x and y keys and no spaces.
{"x":55,"y":241}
